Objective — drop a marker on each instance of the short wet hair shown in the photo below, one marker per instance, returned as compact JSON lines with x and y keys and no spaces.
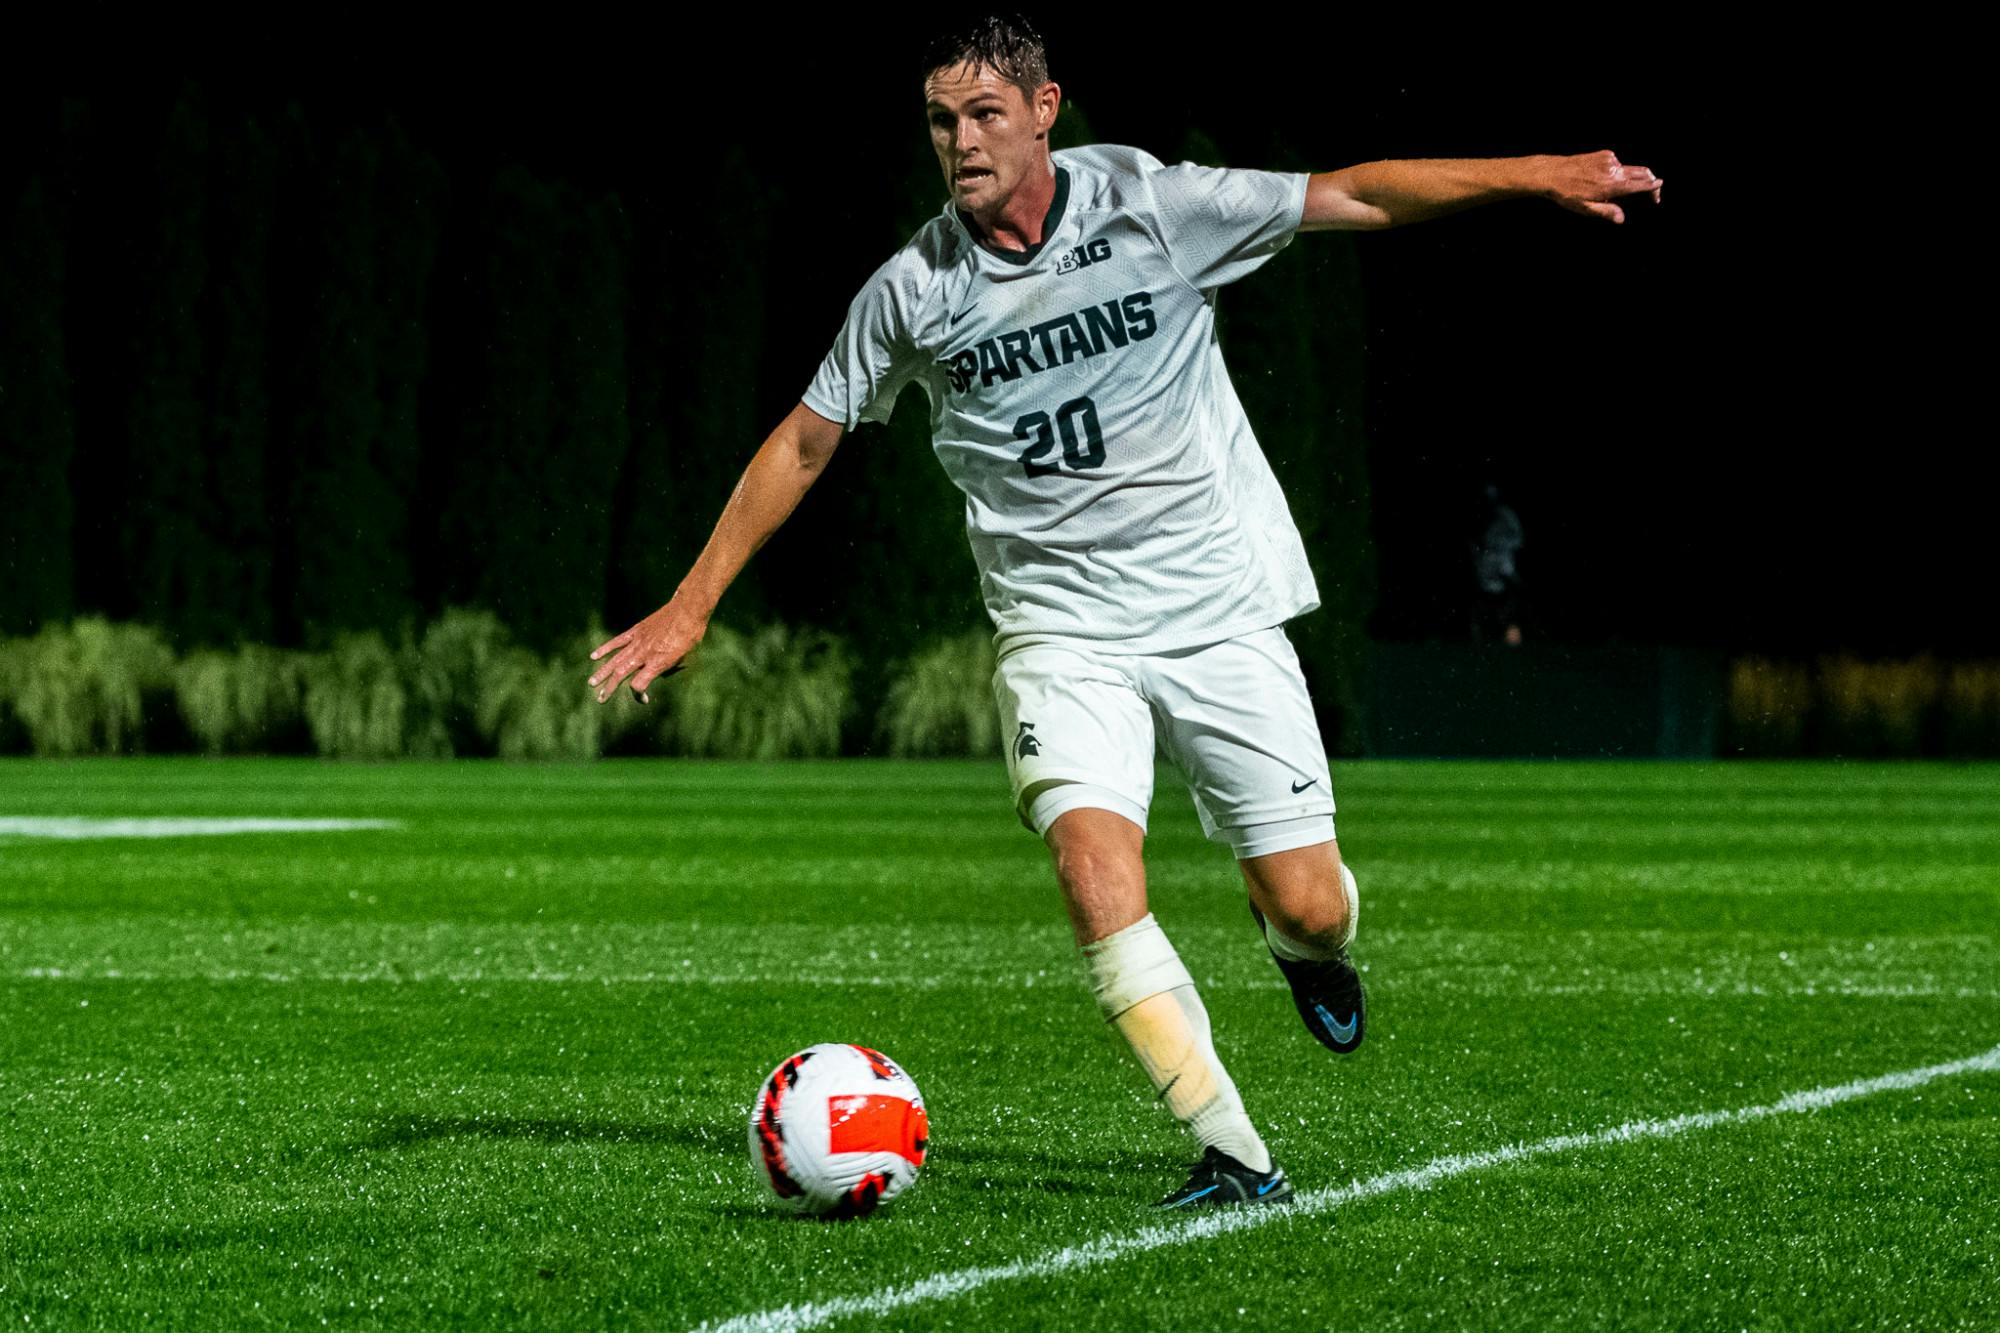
{"x":1007,"y":44}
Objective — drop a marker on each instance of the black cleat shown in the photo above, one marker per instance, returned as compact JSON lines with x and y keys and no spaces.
{"x":1330,"y":999}
{"x":1219,"y":1179}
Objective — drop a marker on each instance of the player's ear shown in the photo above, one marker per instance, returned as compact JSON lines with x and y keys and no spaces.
{"x":1048,"y":104}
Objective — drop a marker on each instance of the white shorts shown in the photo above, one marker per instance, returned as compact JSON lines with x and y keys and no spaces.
{"x":1080,"y":728}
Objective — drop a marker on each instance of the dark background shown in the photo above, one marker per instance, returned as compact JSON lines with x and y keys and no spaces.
{"x":560,"y":283}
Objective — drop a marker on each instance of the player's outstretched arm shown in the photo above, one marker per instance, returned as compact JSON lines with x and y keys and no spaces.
{"x":1374,"y":195}
{"x":787,"y":465}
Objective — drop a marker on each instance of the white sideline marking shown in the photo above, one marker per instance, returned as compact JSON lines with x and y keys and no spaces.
{"x":1105,"y":1249}
{"x":74,"y":829}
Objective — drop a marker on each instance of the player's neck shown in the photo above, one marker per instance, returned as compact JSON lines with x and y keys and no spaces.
{"x":1017,"y":223}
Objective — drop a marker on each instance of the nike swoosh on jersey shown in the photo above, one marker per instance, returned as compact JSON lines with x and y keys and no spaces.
{"x":1298,"y":787}
{"x":953,"y":322}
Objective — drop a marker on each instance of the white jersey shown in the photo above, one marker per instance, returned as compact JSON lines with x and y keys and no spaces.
{"x":1114,"y":491}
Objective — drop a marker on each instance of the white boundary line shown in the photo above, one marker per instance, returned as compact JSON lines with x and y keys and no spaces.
{"x":1106,"y":1249}
{"x":79,"y":828}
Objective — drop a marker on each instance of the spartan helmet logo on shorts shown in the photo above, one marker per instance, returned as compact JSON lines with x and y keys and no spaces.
{"x":1025,"y":743}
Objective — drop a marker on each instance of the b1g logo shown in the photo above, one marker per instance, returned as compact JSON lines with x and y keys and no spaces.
{"x":1084,"y":256}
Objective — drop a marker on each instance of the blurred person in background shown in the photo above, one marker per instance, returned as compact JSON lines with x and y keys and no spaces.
{"x":1496,"y":572}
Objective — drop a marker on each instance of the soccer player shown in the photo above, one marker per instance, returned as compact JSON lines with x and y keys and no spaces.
{"x":1135,"y":552}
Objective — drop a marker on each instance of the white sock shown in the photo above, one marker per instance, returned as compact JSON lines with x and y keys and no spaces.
{"x":1298,"y":951}
{"x":1144,"y":990}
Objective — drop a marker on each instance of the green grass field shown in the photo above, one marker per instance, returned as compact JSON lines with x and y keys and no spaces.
{"x":490,"y":1068}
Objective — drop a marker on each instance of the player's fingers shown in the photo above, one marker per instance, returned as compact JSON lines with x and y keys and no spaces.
{"x":616,"y":641}
{"x":620,"y":664}
{"x":1590,"y":208}
{"x":1635,"y":180}
{"x":620,"y":667}
{"x":645,"y":678}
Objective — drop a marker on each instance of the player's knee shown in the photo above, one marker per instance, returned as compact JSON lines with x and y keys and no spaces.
{"x":1312,"y":916}
{"x":1304,"y":893}
{"x":1313,"y":908}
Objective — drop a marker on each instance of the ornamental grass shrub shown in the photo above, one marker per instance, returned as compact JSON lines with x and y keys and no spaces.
{"x":456,"y":665}
{"x":247,"y":701}
{"x":1872,"y":709}
{"x":357,"y":703}
{"x":13,"y":737}
{"x":525,"y":711}
{"x":535,"y":708}
{"x":1769,"y":706}
{"x":1853,"y":709}
{"x":772,"y":693}
{"x":941,"y":701}
{"x":1969,"y":701}
{"x":90,"y":687}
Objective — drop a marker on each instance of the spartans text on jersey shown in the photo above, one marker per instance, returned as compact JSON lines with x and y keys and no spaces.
{"x":1088,"y":332}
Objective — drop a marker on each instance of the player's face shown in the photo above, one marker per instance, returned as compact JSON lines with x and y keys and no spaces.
{"x":988,"y":133}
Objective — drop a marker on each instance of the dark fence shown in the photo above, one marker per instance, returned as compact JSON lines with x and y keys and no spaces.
{"x":1546,"y":701}
{"x":1542,"y":701}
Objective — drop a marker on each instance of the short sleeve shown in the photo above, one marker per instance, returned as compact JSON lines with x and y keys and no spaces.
{"x":871,"y":360}
{"x":1222,"y":224}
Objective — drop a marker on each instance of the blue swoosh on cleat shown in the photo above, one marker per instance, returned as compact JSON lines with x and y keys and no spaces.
{"x":1196,"y":1195}
{"x":1267,"y":1187}
{"x":1342,"y":1032}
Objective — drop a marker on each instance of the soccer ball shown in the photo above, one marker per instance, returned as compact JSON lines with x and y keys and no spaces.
{"x":838,"y":1130}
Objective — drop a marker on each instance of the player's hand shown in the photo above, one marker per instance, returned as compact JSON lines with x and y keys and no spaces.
{"x":1588,"y":182}
{"x":654,"y":647}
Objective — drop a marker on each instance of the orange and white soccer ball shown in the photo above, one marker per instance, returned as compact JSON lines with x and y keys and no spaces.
{"x":838,"y":1130}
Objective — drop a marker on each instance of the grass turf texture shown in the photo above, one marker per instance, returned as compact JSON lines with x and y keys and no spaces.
{"x":491,"y":1067}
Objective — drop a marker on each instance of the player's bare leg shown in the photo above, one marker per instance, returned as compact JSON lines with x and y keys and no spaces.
{"x":1101,"y":867}
{"x":1306,"y":904}
{"x":1146,"y":992}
